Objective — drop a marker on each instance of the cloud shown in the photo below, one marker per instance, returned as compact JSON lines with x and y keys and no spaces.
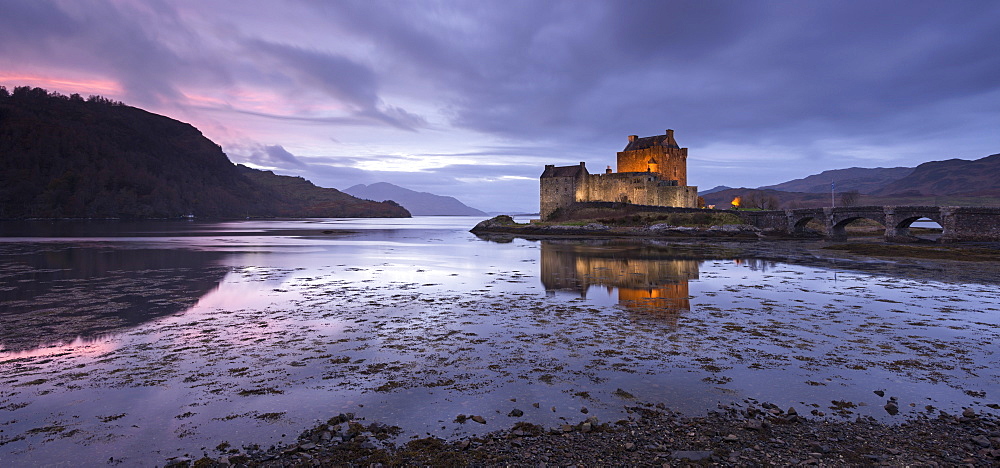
{"x":146,"y":47}
{"x":466,"y":91}
{"x":349,"y":82}
{"x":264,"y":156}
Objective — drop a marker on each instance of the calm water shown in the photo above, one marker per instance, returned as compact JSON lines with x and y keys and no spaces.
{"x":144,"y":341}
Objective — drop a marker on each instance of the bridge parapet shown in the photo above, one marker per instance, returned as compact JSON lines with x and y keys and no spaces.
{"x":970,"y":224}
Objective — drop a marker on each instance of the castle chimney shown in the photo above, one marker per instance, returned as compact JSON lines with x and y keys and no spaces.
{"x":632,"y":138}
{"x":670,"y":134}
{"x":608,"y":170}
{"x":582,"y":164}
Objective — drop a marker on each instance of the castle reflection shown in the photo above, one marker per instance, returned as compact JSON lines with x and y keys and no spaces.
{"x":650,"y":280}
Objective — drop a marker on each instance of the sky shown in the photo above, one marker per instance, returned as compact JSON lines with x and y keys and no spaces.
{"x":472,"y":98}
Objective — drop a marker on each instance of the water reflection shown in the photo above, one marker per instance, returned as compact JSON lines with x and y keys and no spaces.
{"x":411,"y":322}
{"x":647,"y":278}
{"x":78,"y":292}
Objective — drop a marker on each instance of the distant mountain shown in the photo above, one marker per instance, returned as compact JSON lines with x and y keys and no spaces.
{"x":859,"y":179}
{"x":956,"y":182}
{"x":417,"y":203}
{"x":953,"y":177}
{"x":70,"y":157}
{"x":717,"y":188}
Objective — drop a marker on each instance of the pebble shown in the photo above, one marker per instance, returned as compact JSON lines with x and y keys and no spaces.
{"x":479,"y":419}
{"x":178,"y":461}
{"x":981,"y":441}
{"x":516,"y":413}
{"x":693,"y":455}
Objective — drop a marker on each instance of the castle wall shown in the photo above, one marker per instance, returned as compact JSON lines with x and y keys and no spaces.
{"x":638,"y":189}
{"x":555,"y":193}
{"x":671,"y":163}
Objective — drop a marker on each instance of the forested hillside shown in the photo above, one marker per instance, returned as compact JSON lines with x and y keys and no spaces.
{"x":70,"y":157}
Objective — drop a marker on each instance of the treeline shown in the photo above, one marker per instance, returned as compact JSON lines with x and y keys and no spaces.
{"x":70,"y":157}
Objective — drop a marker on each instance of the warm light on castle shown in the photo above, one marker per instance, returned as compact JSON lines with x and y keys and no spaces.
{"x":651,"y":171}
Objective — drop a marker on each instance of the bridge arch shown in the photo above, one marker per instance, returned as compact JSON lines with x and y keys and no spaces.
{"x":901,"y":230}
{"x":798,"y":219}
{"x":901,"y":218}
{"x":839,"y":227}
{"x":799,"y":224}
{"x":841,"y":217}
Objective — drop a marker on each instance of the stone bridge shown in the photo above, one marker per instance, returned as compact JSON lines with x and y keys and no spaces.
{"x":957,"y":223}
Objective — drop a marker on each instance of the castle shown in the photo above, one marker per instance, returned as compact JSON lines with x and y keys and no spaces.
{"x":651,"y":171}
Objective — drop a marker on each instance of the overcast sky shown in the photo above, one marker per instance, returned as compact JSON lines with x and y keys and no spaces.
{"x":472,"y":99}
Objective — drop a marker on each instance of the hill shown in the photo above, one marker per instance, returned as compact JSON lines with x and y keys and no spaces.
{"x":417,"y":203}
{"x":69,"y":157}
{"x":297,"y":197}
{"x":954,"y":182}
{"x":857,"y":179}
{"x":953,"y":177}
{"x":717,"y":188}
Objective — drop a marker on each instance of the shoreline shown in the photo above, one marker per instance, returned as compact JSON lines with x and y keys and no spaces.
{"x":749,"y":433}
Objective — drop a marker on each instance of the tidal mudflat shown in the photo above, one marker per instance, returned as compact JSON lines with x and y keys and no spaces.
{"x":141,"y":344}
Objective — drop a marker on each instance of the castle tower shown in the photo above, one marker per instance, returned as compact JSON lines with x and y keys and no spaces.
{"x":659,"y":154}
{"x":560,"y":187}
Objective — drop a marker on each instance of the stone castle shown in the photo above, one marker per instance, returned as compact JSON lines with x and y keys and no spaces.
{"x":651,"y":171}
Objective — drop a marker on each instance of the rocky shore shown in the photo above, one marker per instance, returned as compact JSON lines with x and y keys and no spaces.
{"x":747,"y":434}
{"x":506,"y":225}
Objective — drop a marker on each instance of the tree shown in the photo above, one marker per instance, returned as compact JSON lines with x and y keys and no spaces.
{"x":761,"y":201}
{"x":850,"y":198}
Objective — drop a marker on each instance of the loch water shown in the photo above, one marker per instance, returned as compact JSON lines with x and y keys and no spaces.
{"x":135,"y":342}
